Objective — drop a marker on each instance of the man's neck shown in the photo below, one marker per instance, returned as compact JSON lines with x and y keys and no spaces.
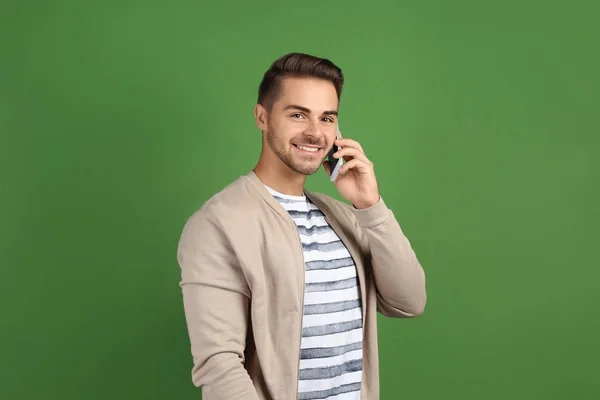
{"x":281,"y":179}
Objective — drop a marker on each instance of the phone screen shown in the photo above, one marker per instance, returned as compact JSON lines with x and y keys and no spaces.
{"x":334,"y":163}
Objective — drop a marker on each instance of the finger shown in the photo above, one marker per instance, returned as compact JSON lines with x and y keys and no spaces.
{"x":349,"y":143}
{"x":350,"y":152}
{"x":356,"y":164}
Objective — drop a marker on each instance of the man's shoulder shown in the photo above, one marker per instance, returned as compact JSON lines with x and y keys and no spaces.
{"x":233,"y":200}
{"x":236,"y":195}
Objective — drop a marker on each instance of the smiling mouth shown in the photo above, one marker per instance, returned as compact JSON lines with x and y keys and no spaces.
{"x":308,"y":149}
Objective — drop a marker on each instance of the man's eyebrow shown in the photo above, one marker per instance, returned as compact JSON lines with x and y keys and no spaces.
{"x":307,"y":110}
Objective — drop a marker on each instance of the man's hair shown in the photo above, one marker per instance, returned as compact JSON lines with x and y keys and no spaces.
{"x":297,"y":65}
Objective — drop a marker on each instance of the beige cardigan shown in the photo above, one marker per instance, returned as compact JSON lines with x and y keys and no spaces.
{"x":243,"y":285}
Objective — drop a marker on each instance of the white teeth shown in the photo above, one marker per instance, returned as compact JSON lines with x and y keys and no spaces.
{"x":311,"y":149}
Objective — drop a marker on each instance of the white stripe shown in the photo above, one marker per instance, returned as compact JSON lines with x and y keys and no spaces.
{"x":337,"y":339}
{"x":332,"y":296}
{"x":331,"y":361}
{"x":317,"y":255}
{"x":313,"y":385}
{"x":333,"y":318}
{"x":330,"y":275}
{"x":285,"y":196}
{"x":299,"y":206}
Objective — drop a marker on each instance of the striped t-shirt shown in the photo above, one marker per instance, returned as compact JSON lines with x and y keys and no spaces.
{"x":331,"y":346}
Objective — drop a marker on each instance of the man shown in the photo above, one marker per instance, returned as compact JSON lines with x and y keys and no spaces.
{"x":282,"y":286}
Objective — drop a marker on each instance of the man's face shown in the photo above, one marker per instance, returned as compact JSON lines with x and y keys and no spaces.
{"x":301,"y":127}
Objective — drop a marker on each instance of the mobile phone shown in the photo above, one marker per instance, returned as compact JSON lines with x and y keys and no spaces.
{"x":334,"y":163}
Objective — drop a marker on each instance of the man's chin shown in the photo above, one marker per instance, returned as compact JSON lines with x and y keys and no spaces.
{"x":306,"y":171}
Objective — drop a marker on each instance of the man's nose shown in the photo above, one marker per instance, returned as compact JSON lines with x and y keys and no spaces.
{"x":315,"y":129}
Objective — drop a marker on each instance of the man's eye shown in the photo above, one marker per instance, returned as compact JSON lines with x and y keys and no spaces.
{"x":329,"y":119}
{"x":294,"y":115}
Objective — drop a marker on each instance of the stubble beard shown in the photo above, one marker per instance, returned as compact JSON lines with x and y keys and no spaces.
{"x":295,"y":164}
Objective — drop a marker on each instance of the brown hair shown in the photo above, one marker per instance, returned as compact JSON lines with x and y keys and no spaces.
{"x":297,"y":65}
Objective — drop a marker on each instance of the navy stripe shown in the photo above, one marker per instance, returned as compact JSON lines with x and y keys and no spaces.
{"x":324,"y":247}
{"x":333,"y":285}
{"x":315,"y":229}
{"x":327,"y":308}
{"x":325,"y":394}
{"x":289,"y":201}
{"x":307,"y":215}
{"x":330,"y":264}
{"x":330,"y":329}
{"x":330,"y":372}
{"x":320,"y":225}
{"x":324,"y":352}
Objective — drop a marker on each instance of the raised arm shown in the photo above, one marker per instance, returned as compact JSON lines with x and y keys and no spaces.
{"x":399,"y":278}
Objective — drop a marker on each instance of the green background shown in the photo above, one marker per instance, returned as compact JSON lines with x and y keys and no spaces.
{"x":118,"y":119}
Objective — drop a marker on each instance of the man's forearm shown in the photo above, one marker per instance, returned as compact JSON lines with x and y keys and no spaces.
{"x":399,"y":277}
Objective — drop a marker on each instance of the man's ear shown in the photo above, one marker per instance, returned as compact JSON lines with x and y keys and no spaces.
{"x":260,"y":116}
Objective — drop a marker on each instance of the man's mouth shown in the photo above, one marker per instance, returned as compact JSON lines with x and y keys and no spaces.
{"x":308,"y":148}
